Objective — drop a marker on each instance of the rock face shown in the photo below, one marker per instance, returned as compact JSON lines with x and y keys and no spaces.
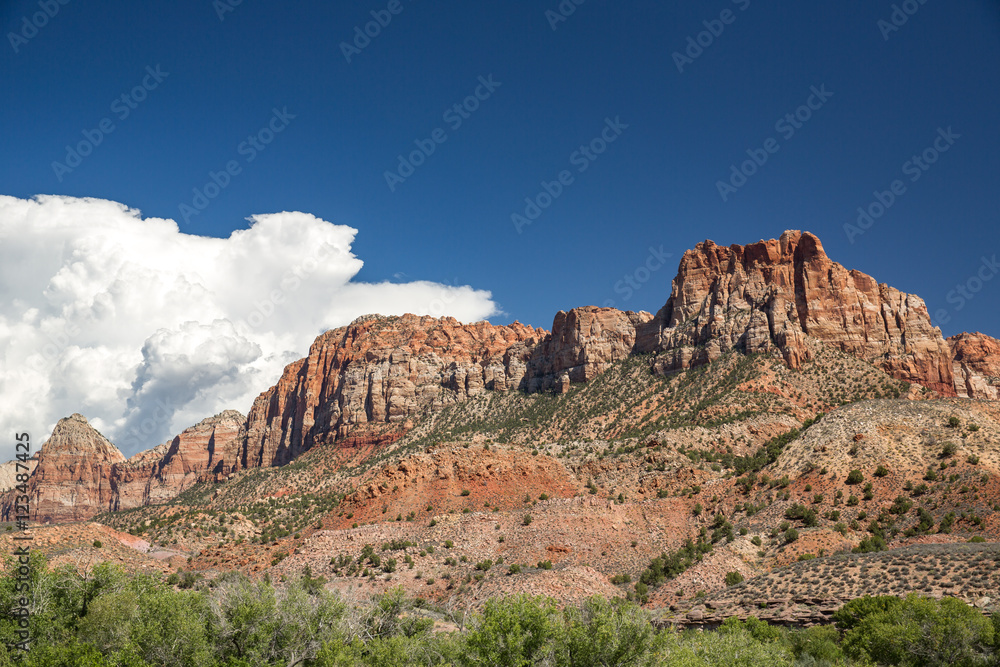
{"x":9,"y":472}
{"x":769,"y":296}
{"x":381,"y":371}
{"x":976,"y":365}
{"x":584,"y":342}
{"x":206,"y":451}
{"x":74,"y":477}
{"x":80,"y":473}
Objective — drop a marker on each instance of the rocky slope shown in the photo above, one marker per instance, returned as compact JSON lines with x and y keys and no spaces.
{"x":771,"y":295}
{"x":976,"y":359}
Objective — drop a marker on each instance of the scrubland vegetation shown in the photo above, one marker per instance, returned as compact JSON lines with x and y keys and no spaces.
{"x":108,"y":617}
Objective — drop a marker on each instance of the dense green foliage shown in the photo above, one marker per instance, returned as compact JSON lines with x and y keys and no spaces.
{"x":109,"y":618}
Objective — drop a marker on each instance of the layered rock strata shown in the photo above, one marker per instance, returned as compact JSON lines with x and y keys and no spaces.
{"x":976,"y":364}
{"x":769,"y":296}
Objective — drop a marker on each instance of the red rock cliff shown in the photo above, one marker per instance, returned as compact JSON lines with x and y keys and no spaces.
{"x":770,"y":295}
{"x":73,"y":480}
{"x":206,"y":451}
{"x":381,"y":370}
{"x":976,"y":365}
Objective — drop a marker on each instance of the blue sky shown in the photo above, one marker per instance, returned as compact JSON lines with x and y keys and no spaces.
{"x":450,"y":222}
{"x":620,"y":119}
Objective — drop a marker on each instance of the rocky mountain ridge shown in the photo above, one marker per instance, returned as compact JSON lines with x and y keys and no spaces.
{"x":370,"y":381}
{"x":80,"y":473}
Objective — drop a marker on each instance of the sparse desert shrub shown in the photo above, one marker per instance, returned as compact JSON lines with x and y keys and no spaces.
{"x":954,"y":422}
{"x":881,"y":471}
{"x":733,"y":578}
{"x":526,"y":520}
{"x":791,"y":535}
{"x":948,"y":449}
{"x":855,"y":477}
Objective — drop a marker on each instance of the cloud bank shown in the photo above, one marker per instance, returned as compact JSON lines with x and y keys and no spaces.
{"x":146,"y":330}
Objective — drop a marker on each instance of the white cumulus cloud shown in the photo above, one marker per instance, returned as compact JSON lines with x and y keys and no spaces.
{"x":146,"y":330}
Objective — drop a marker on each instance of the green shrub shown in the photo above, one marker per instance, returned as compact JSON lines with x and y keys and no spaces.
{"x":855,"y":477}
{"x":936,"y":632}
{"x":517,"y":630}
{"x":733,"y":578}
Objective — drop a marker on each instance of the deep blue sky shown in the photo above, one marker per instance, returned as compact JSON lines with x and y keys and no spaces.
{"x":451,"y":221}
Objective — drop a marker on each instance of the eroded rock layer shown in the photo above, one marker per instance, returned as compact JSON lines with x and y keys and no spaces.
{"x":976,"y":365}
{"x":382,"y":370}
{"x":74,"y":476}
{"x":769,"y":296}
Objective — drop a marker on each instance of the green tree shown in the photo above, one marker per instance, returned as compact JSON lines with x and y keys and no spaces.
{"x":514,"y":631}
{"x":923,"y":632}
{"x":599,"y":633}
